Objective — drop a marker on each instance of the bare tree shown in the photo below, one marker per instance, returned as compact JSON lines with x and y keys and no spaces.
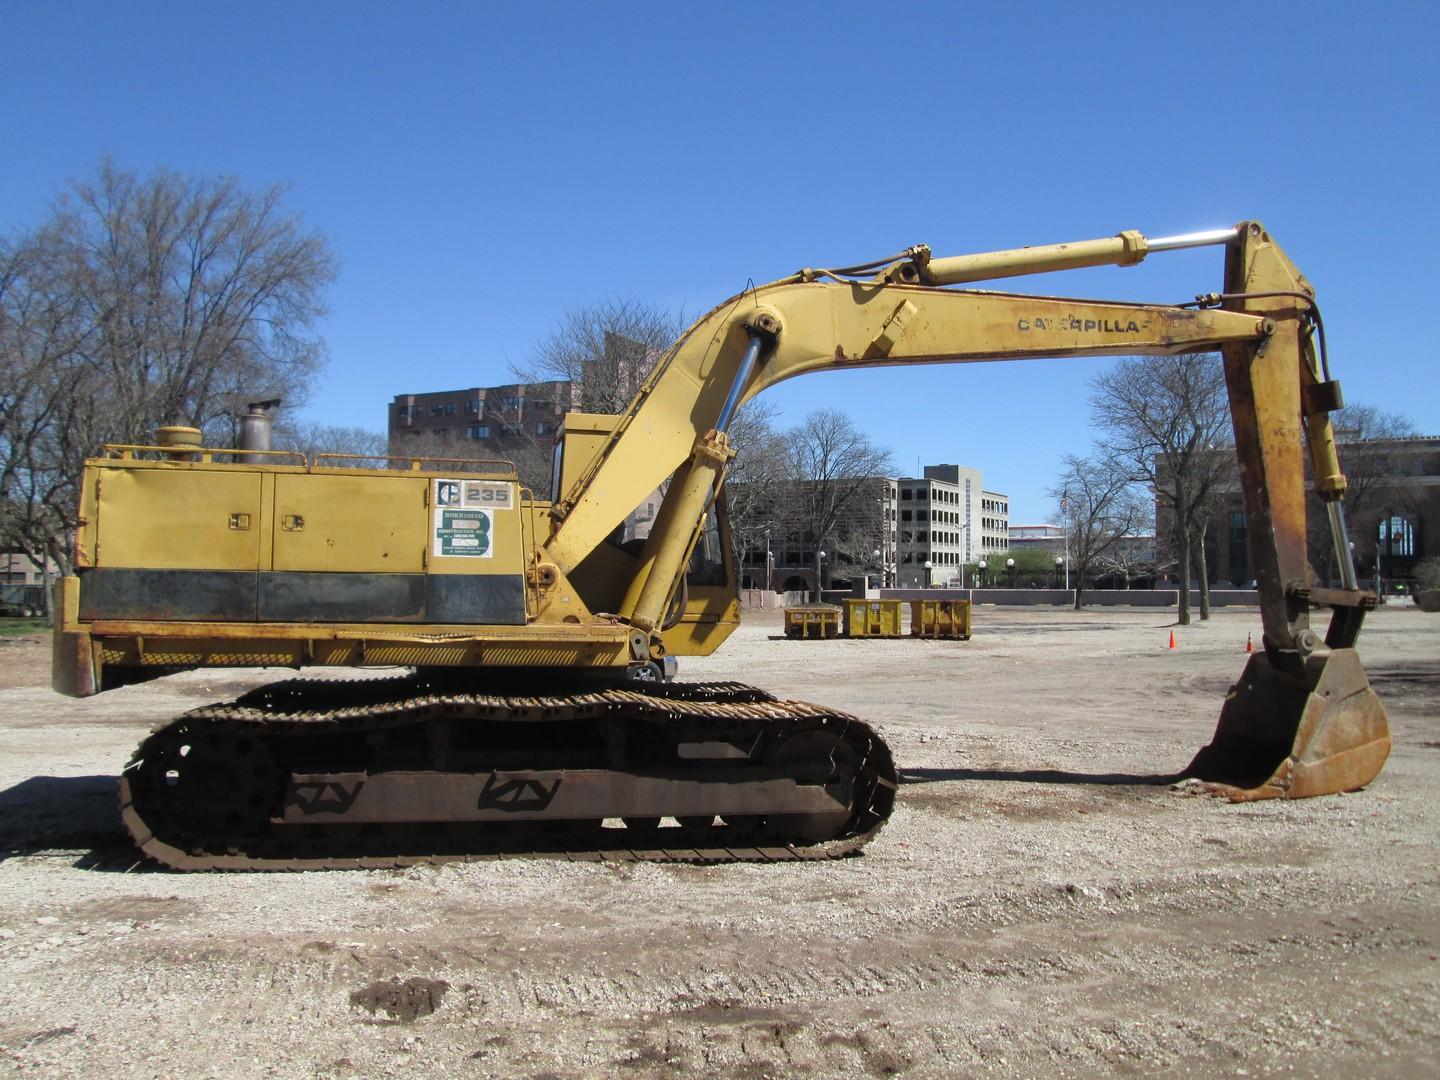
{"x":200,"y":296}
{"x":40,"y":375}
{"x":1370,"y":455}
{"x":147,"y":301}
{"x":370,"y":447}
{"x":1165,"y":416}
{"x":1099,"y":507}
{"x":754,"y":482}
{"x":832,"y":464}
{"x":607,"y":349}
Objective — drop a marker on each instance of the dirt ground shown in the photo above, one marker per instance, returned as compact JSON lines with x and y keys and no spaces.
{"x":1033,"y":907}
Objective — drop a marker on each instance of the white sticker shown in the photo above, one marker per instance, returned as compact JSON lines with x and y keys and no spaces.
{"x":486,"y":495}
{"x":464,"y":533}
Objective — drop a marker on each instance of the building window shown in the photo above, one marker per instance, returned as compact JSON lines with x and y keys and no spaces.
{"x":450,"y":408}
{"x":1239,"y":548}
{"x":437,"y":410}
{"x":478,"y":431}
{"x":1396,"y":538}
{"x":542,"y":428}
{"x":472,"y":406}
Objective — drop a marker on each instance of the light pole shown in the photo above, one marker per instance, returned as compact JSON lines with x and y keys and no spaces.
{"x":928,"y":567}
{"x":820,"y":577}
{"x":876,"y":556}
{"x":981,"y":567}
{"x":1010,"y":565}
{"x":1059,"y":563}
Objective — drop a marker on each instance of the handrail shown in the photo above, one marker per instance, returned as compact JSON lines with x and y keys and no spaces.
{"x":201,"y":454}
{"x":501,"y":465}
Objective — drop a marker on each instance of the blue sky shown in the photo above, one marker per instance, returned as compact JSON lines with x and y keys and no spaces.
{"x":479,"y":169}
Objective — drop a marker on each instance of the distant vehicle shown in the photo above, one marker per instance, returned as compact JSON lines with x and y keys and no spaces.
{"x":22,"y":601}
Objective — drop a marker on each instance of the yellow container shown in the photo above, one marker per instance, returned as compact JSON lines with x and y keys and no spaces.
{"x":872,"y":618}
{"x":812,"y":621}
{"x":940,"y":619}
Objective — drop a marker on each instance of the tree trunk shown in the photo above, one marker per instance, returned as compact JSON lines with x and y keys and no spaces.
{"x":1182,"y":537}
{"x":1202,"y":571}
{"x":47,"y":581}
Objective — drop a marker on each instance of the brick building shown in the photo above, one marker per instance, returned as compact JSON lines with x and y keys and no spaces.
{"x":496,"y":419}
{"x":1392,"y":514}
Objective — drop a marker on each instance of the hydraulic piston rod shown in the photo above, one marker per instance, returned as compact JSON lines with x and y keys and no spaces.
{"x":1123,"y":249}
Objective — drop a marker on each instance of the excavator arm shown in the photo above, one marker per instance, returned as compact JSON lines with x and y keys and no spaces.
{"x":1303,"y":719}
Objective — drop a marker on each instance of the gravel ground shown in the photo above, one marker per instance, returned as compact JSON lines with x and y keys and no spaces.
{"x":1034,"y":906}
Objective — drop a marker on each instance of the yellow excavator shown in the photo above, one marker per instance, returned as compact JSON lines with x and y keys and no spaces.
{"x":537,"y":715}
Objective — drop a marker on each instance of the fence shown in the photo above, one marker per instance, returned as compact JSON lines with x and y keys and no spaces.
{"x":755,"y":599}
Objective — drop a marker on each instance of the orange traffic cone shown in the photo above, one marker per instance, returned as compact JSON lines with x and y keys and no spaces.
{"x":1172,"y":639}
{"x":1249,"y":643}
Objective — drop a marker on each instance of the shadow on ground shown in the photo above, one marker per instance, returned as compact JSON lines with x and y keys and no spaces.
{"x":65,"y":814}
{"x":1036,"y":776}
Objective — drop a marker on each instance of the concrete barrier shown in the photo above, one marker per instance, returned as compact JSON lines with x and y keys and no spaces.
{"x":1149,"y":598}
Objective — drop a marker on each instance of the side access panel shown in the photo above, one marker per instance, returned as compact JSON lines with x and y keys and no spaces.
{"x":174,"y":545}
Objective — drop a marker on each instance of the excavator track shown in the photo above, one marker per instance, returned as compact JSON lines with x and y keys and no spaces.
{"x":371,"y":773}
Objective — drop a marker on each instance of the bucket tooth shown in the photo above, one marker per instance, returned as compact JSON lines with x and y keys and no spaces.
{"x":1287,"y":736}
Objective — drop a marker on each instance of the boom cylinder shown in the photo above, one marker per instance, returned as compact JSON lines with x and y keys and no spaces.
{"x":675,"y":529}
{"x":1123,"y":249}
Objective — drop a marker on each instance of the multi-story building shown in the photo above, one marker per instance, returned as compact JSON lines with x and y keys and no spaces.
{"x":778,"y":551}
{"x":519,"y":420}
{"x":947,"y":520}
{"x":888,"y":533}
{"x":17,"y":568}
{"x":498,"y":418}
{"x":1037,"y":538}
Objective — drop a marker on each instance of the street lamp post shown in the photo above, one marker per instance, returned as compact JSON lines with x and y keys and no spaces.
{"x":928,"y":567}
{"x":981,"y":567}
{"x":1059,"y":564}
{"x":820,"y":577}
{"x":1010,"y":565}
{"x":876,"y":556}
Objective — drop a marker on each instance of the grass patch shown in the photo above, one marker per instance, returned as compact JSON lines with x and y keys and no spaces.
{"x":11,"y":628}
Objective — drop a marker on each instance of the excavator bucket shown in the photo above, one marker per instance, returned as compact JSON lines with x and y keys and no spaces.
{"x":1290,"y":736}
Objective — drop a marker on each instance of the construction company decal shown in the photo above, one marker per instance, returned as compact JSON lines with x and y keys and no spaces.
{"x":464,"y":522}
